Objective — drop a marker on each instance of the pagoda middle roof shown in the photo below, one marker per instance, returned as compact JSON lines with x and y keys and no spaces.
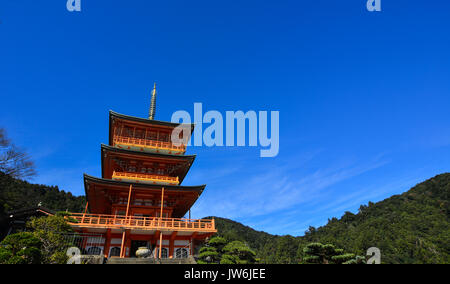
{"x":187,"y":158}
{"x":113,"y":114}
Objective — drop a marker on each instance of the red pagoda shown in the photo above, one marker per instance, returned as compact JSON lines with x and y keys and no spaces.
{"x":139,"y":201}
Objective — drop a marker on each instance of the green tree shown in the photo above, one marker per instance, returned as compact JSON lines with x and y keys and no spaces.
{"x":51,"y":232}
{"x":20,"y":248}
{"x":317,"y":253}
{"x":286,"y":249}
{"x":212,"y":251}
{"x":237,"y":252}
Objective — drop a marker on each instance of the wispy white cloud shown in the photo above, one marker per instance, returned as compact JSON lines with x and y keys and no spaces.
{"x":365,"y":194}
{"x":276,"y":189}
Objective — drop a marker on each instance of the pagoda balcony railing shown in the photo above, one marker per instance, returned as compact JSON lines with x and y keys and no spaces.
{"x":147,"y":143}
{"x":82,"y":220}
{"x":146,"y":178}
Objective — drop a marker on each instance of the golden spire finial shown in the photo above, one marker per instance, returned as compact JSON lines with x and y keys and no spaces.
{"x":151,"y":114}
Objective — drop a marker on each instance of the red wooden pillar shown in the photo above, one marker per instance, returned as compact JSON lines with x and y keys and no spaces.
{"x":126,"y":242}
{"x":107,"y":243}
{"x":191,"y":243}
{"x":125,"y":233}
{"x":161,"y":216}
{"x":156,"y":237}
{"x":160,"y":244}
{"x":122,"y":246}
{"x":129,"y":200}
{"x":128,"y":245}
{"x":191,"y":251}
{"x":172,"y":244}
{"x":84,"y":214}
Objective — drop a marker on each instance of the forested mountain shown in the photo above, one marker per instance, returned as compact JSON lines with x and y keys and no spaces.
{"x":17,"y":194}
{"x":412,"y":227}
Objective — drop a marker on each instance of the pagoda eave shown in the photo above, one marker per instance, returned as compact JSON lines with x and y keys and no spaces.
{"x":190,"y":188}
{"x":98,"y":190}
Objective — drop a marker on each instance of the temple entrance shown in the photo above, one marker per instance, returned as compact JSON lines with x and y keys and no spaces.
{"x":135,"y":245}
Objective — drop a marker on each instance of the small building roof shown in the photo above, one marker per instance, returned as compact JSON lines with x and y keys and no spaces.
{"x":31,"y":211}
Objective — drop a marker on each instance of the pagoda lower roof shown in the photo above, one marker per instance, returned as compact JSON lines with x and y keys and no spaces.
{"x":140,"y":155}
{"x":100,"y":188}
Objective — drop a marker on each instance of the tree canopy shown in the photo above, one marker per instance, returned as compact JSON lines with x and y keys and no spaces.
{"x":51,"y":231}
{"x":20,"y":248}
{"x":218,"y":250}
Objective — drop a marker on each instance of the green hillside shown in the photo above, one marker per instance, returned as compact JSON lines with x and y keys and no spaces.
{"x":409,"y":228}
{"x":17,"y":194}
{"x":412,"y":227}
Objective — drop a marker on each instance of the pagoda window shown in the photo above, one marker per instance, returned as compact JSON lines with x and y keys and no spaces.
{"x":118,"y":131}
{"x":152,"y":135}
{"x":128,"y":131}
{"x":94,"y":251}
{"x":115,"y":251}
{"x":164,"y":137}
{"x":138,"y":202}
{"x":122,"y":130}
{"x":121,"y":163}
{"x":148,"y":202}
{"x":164,"y":252}
{"x":139,"y":133}
{"x":170,"y":169}
{"x":181,"y":253}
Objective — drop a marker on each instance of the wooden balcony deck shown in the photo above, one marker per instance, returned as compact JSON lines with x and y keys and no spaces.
{"x":81,"y":220}
{"x":143,"y":144}
{"x":145,"y":178}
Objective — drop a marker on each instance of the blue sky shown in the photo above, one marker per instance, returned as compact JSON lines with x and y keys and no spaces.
{"x":363,"y":97}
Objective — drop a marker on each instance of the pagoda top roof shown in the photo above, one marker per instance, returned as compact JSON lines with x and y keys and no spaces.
{"x":143,"y":122}
{"x":116,"y":115}
{"x":98,"y":199}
